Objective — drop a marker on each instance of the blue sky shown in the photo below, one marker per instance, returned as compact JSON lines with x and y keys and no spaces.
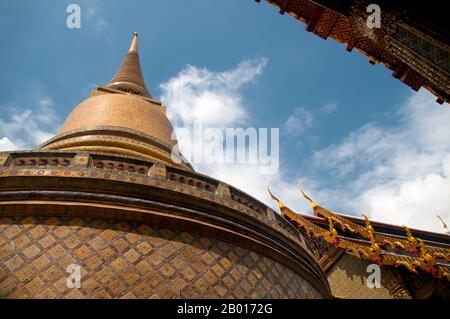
{"x":357,"y":139}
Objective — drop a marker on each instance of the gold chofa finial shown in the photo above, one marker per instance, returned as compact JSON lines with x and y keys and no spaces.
{"x":280,"y":204}
{"x":443,"y":224}
{"x":442,"y":221}
{"x":367,"y":222}
{"x":313,"y":203}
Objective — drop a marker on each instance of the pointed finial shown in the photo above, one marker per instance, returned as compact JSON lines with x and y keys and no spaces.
{"x":368,"y":226}
{"x":442,"y":221}
{"x":366,"y":219}
{"x":129,"y":77}
{"x":134,"y":43}
{"x":280,"y":204}
{"x":443,"y":224}
{"x":313,"y":203}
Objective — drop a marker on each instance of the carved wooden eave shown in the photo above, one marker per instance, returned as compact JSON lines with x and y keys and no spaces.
{"x":394,"y":44}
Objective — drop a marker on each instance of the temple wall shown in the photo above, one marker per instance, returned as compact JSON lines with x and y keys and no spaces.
{"x":131,"y":260}
{"x":348,"y":279}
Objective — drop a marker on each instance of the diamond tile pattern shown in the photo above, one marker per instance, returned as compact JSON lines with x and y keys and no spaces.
{"x":129,"y":260}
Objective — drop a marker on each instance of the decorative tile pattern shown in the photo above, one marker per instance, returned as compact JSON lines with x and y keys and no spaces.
{"x":129,"y":260}
{"x":348,"y":279}
{"x":97,"y":174}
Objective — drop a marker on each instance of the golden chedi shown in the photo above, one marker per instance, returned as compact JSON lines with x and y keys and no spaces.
{"x":120,"y":118}
{"x":104,"y":197}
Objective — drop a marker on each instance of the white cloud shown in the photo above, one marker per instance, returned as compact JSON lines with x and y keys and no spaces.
{"x":210,"y":97}
{"x":329,"y":108}
{"x":6,"y":145}
{"x":90,"y":13}
{"x":399,"y":174}
{"x":299,"y":121}
{"x":215,"y":99}
{"x":25,"y":128}
{"x":302,"y":119}
{"x":95,"y":20}
{"x":414,"y":202}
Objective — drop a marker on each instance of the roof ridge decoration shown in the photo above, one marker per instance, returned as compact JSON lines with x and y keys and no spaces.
{"x":128,"y":77}
{"x":424,"y":259}
{"x":443,"y":224}
{"x":331,"y":235}
{"x":410,"y":244}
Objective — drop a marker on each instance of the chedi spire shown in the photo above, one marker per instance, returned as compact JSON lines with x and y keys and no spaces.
{"x":129,"y":77}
